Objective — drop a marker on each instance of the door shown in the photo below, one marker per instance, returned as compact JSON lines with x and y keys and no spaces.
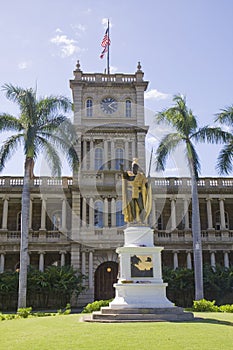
{"x":105,"y":277}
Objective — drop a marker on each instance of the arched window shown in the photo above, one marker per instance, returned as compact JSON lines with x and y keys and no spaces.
{"x":98,"y":214}
{"x":119,"y":215}
{"x":128,"y":109}
{"x":98,"y":158}
{"x":89,"y":108}
{"x":18,"y":223}
{"x":159,"y":221}
{"x":119,"y":158}
{"x":218,"y":220}
{"x":56,"y":221}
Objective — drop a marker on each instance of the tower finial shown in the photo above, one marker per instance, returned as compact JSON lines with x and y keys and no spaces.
{"x":139,"y":66}
{"x":78,"y":65}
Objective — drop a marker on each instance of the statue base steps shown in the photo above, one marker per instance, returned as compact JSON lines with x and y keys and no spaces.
{"x":109,"y":315}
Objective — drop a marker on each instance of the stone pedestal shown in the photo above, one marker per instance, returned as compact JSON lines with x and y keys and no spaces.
{"x":140,"y":291}
{"x":140,"y":284}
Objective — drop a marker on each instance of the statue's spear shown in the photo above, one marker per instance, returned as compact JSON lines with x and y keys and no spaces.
{"x":150,"y":163}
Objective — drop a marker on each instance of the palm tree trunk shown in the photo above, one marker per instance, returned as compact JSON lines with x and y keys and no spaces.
{"x":197,"y":244}
{"x":22,"y":294}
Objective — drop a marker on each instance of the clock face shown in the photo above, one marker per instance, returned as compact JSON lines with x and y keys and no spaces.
{"x":108,"y":105}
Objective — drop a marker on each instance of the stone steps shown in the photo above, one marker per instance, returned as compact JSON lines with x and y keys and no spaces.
{"x":106,"y":314}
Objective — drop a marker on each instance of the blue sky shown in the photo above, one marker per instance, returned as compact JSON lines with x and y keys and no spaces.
{"x":184,"y":47}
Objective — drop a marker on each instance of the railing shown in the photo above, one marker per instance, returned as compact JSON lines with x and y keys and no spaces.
{"x":186,"y":182}
{"x":117,"y":233}
{"x":118,"y":78}
{"x":186,"y":236}
{"x":220,"y":183}
{"x":64,"y":182}
{"x":34,"y":236}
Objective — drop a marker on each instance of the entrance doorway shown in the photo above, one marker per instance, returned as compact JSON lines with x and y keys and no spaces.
{"x":105,"y":277}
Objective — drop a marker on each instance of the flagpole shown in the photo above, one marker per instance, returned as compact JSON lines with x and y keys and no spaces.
{"x":108,"y":70}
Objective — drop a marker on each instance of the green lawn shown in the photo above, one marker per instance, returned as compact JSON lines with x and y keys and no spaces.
{"x":214,"y":331}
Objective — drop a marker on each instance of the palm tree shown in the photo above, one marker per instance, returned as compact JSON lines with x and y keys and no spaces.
{"x":41,"y":127}
{"x":186,"y":131}
{"x":225,"y":158}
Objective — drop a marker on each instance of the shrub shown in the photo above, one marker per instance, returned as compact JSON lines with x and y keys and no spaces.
{"x":96,"y":305}
{"x":226,"y":308}
{"x":204,"y":306}
{"x":24,"y":312}
{"x":65,"y":311}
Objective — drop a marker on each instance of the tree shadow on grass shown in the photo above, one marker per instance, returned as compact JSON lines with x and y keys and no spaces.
{"x":212,"y":321}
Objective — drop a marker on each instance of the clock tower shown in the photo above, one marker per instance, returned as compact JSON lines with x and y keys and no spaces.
{"x":110,"y":125}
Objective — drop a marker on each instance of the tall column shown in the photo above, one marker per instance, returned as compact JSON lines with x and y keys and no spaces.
{"x":83,"y":269}
{"x":2,"y":262}
{"x":5,"y":212}
{"x":84,"y":161}
{"x":175,"y":259}
{"x":41,"y":261}
{"x":92,"y":154}
{"x":30,"y":214}
{"x":222,"y":214}
{"x":186,"y":214}
{"x":105,"y":212}
{"x":63,"y":258}
{"x":126,"y":155}
{"x":43,"y":214}
{"x":189,"y":260}
{"x":209,"y":214}
{"x":75,"y":256}
{"x":134,"y":150}
{"x":173,"y":214}
{"x":105,"y":155}
{"x":153,"y":214}
{"x":226,"y":260}
{"x":90,"y":269}
{"x":113,"y":212}
{"x":212,"y":259}
{"x":64,"y":214}
{"x":91,"y":212}
{"x":112,"y":155}
{"x":84,"y":212}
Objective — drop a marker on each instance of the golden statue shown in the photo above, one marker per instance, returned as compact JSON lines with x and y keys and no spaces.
{"x":136,"y":193}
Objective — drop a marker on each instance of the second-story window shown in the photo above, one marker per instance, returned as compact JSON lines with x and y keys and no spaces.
{"x":119,"y":215}
{"x":128,"y":110}
{"x":98,"y":158}
{"x":98,"y":214}
{"x":56,"y":221}
{"x":119,"y":155}
{"x":218,"y":225}
{"x":89,"y":107}
{"x":18,"y":224}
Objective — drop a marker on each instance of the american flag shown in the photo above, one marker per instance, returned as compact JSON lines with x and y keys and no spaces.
{"x":105,"y":43}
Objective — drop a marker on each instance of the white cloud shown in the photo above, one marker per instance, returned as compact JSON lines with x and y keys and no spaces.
{"x":67,"y":46}
{"x":105,"y":22}
{"x":156,"y":95}
{"x":24,"y":64}
{"x":58,"y":30}
{"x":113,"y":69}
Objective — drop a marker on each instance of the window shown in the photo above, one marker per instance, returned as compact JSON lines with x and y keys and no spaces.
{"x":18,"y":223}
{"x":119,"y":155}
{"x":218,"y":220}
{"x":98,"y":158}
{"x":89,"y":108}
{"x":158,"y":223}
{"x":56,"y":221}
{"x":128,"y":108}
{"x":98,"y":214}
{"x":119,"y":215}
